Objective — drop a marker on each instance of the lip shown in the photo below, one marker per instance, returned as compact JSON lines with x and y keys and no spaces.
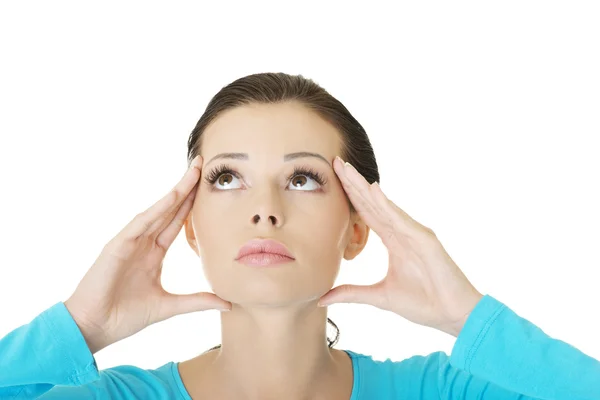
{"x":264,"y":251}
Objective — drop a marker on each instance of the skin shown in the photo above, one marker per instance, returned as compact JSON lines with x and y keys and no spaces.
{"x":273,"y":339}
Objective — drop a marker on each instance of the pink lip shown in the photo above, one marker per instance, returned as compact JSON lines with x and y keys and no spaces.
{"x":264,"y":252}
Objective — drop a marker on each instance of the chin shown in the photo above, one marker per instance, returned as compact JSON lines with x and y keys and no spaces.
{"x":272,"y":294}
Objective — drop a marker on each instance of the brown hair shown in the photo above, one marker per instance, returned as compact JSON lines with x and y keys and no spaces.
{"x":270,"y":88}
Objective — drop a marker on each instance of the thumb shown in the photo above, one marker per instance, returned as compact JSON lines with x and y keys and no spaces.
{"x":176,"y":304}
{"x":349,"y":294}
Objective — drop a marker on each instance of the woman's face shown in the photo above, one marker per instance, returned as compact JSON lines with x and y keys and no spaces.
{"x":311,"y":218}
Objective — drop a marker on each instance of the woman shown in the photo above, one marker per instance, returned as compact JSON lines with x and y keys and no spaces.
{"x":271,"y":209}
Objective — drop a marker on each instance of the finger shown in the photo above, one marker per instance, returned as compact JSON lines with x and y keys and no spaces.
{"x":166,"y":220}
{"x":349,"y":294}
{"x":176,"y":304}
{"x":153,"y":217}
{"x":405,"y":223}
{"x":359,"y":193}
{"x":170,"y":232}
{"x":183,"y":192}
{"x":391,"y":217}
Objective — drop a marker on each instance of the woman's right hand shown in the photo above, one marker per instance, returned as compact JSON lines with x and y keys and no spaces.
{"x":121,"y":293}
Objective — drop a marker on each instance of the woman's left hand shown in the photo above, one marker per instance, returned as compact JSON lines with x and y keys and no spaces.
{"x":422,"y":284}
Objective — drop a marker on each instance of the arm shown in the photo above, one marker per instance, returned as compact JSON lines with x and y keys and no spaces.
{"x":48,"y":351}
{"x":498,"y":346}
{"x":497,"y":356}
{"x":49,"y":358}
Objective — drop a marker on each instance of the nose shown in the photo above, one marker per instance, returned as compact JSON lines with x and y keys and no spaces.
{"x":270,"y":219}
{"x":267,"y":206}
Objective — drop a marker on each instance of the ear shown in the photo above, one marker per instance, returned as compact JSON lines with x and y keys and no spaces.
{"x":358,"y":240}
{"x":190,"y":234}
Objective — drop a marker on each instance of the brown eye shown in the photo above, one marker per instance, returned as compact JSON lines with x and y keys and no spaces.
{"x":225,"y":181}
{"x":304,"y":182}
{"x":299,"y":179}
{"x":222,"y":178}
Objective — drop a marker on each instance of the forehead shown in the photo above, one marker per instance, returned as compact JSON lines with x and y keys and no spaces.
{"x":270,"y":129}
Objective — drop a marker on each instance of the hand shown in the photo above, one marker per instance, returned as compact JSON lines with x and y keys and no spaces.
{"x":122,"y":293}
{"x":422,"y":284}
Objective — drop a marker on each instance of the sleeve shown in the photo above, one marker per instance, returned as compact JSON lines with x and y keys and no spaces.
{"x":497,"y":356}
{"x":49,"y":359}
{"x":497,"y":350}
{"x":48,"y":351}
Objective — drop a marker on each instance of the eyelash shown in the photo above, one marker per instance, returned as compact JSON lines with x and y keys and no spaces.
{"x":219,"y":170}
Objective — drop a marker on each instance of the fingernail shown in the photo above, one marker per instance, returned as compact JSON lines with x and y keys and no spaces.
{"x":194,"y":161}
{"x":225,"y":309}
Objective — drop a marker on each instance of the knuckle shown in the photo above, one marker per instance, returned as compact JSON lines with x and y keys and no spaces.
{"x":142,"y":218}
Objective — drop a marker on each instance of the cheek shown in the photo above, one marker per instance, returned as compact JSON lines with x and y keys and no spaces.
{"x":211,"y":219}
{"x":213,"y":236}
{"x":328,"y":207}
{"x":324,"y":231}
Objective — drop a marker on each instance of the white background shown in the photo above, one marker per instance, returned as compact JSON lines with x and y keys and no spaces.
{"x":484,"y":118}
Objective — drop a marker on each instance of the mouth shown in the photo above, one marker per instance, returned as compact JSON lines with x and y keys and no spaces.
{"x":263,"y":252}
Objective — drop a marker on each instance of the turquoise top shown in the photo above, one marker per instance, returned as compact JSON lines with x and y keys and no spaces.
{"x":497,"y":355}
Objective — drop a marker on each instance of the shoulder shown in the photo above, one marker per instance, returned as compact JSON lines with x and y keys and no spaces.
{"x":158,"y":379}
{"x":402,"y":378}
{"x":125,"y":382}
{"x":417,"y":363}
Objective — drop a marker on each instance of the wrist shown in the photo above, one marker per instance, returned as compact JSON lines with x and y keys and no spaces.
{"x":94,"y":336}
{"x":455,"y":325}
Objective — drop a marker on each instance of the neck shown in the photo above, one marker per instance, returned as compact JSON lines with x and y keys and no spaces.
{"x":275,"y":353}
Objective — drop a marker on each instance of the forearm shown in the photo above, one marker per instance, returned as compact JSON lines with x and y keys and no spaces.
{"x":498,"y":346}
{"x":48,"y":351}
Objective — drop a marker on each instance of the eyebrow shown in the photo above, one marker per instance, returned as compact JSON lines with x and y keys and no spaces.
{"x":287,"y":157}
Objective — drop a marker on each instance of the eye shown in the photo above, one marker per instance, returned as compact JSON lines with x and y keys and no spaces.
{"x":298,"y":178}
{"x":222,"y":175}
